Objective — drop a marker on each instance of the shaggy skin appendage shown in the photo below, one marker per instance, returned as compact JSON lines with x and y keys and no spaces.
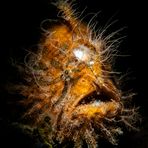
{"x":68,"y":94}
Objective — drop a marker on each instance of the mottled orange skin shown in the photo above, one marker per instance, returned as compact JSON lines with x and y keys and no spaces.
{"x":61,"y":86}
{"x":62,"y":36}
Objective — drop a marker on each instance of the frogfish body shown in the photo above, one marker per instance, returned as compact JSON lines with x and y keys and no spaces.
{"x":69,"y":94}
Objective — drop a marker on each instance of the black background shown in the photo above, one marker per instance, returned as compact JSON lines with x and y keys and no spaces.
{"x":20,"y":29}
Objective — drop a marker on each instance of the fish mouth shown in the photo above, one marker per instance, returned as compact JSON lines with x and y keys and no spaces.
{"x":100,"y":94}
{"x":94,"y":97}
{"x":104,"y":102}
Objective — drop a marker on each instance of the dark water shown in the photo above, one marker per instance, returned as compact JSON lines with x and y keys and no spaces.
{"x":20,"y":29}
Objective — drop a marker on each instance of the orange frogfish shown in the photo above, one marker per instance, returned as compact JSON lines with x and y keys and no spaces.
{"x":68,"y":92}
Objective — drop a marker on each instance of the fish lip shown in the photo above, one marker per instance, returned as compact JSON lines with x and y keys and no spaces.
{"x":82,"y":108}
{"x":110,"y":95}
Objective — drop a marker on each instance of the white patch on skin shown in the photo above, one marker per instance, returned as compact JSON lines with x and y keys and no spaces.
{"x":82,"y":53}
{"x":79,"y":54}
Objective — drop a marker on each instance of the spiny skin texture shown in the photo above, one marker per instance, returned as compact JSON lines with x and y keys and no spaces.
{"x":68,"y":90}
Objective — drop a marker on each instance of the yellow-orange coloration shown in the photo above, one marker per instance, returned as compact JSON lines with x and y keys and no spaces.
{"x":67,"y":81}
